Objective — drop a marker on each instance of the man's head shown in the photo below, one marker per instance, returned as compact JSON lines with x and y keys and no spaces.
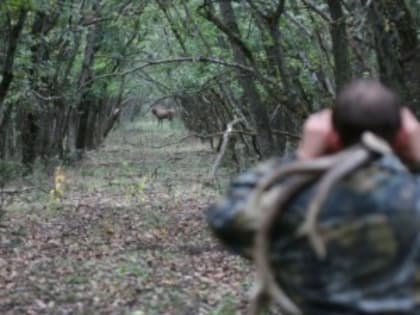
{"x":362,"y":105}
{"x":366,"y":105}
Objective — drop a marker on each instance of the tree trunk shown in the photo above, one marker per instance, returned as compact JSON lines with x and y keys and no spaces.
{"x":7,"y":74}
{"x":265,"y":138}
{"x":342,"y":71}
{"x":391,"y":42}
{"x":7,"y":78}
{"x":85,"y":81}
{"x":36,"y":122}
{"x":29,"y":134}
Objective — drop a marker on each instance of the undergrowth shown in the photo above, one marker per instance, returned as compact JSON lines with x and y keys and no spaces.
{"x":121,"y":232}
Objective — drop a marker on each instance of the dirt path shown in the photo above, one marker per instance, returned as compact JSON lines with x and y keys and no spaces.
{"x":128,"y":236}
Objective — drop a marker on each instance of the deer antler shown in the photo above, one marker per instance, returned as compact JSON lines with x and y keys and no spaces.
{"x":335,"y":167}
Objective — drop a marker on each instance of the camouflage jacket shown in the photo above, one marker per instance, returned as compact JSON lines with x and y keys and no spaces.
{"x":372,"y":219}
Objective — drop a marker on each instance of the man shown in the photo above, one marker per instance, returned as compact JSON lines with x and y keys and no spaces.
{"x":372,"y":217}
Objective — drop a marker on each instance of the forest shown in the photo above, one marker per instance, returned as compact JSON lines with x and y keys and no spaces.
{"x":101,"y":204}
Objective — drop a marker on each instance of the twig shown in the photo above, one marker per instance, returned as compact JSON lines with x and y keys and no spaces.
{"x":314,"y":8}
{"x":44,"y":98}
{"x":285,"y":133}
{"x":173,"y":143}
{"x":299,"y":25}
{"x":226,"y":136}
{"x":221,"y":133}
{"x":14,"y":191}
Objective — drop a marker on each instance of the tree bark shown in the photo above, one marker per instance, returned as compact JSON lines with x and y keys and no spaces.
{"x":38,"y":127}
{"x":7,"y":73}
{"x":7,"y":77}
{"x":392,"y":41}
{"x":259,"y":111}
{"x":84,"y":106}
{"x":342,"y":71}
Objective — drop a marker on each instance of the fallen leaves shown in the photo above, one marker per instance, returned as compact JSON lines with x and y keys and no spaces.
{"x":103,"y":251}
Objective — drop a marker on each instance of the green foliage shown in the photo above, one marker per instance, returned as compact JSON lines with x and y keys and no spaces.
{"x":86,"y":49}
{"x":14,"y":5}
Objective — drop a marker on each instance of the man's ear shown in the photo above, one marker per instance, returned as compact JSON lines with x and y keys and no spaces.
{"x":334,"y":142}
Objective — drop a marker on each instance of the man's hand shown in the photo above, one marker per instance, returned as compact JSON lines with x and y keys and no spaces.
{"x":319,"y":136}
{"x":407,"y":144}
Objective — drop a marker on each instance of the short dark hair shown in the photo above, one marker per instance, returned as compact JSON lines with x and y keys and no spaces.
{"x":366,"y":105}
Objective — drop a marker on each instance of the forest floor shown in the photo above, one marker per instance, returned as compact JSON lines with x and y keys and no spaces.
{"x":128,"y":235}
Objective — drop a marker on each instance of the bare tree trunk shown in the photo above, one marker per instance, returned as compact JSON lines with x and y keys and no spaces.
{"x":264,"y":138}
{"x":338,"y":31}
{"x":268,"y":21}
{"x":37,"y":121}
{"x":68,"y":118}
{"x":85,"y":103}
{"x":7,"y":73}
{"x":7,"y":77}
{"x":163,"y":5}
{"x":113,"y":115}
{"x":387,"y":47}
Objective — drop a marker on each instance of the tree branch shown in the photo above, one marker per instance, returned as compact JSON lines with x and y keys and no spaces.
{"x":221,"y":133}
{"x":228,"y":32}
{"x":313,"y":7}
{"x":180,"y":60}
{"x":225,"y":142}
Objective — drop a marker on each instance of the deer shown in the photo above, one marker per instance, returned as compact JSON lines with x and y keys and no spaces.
{"x":162,"y":113}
